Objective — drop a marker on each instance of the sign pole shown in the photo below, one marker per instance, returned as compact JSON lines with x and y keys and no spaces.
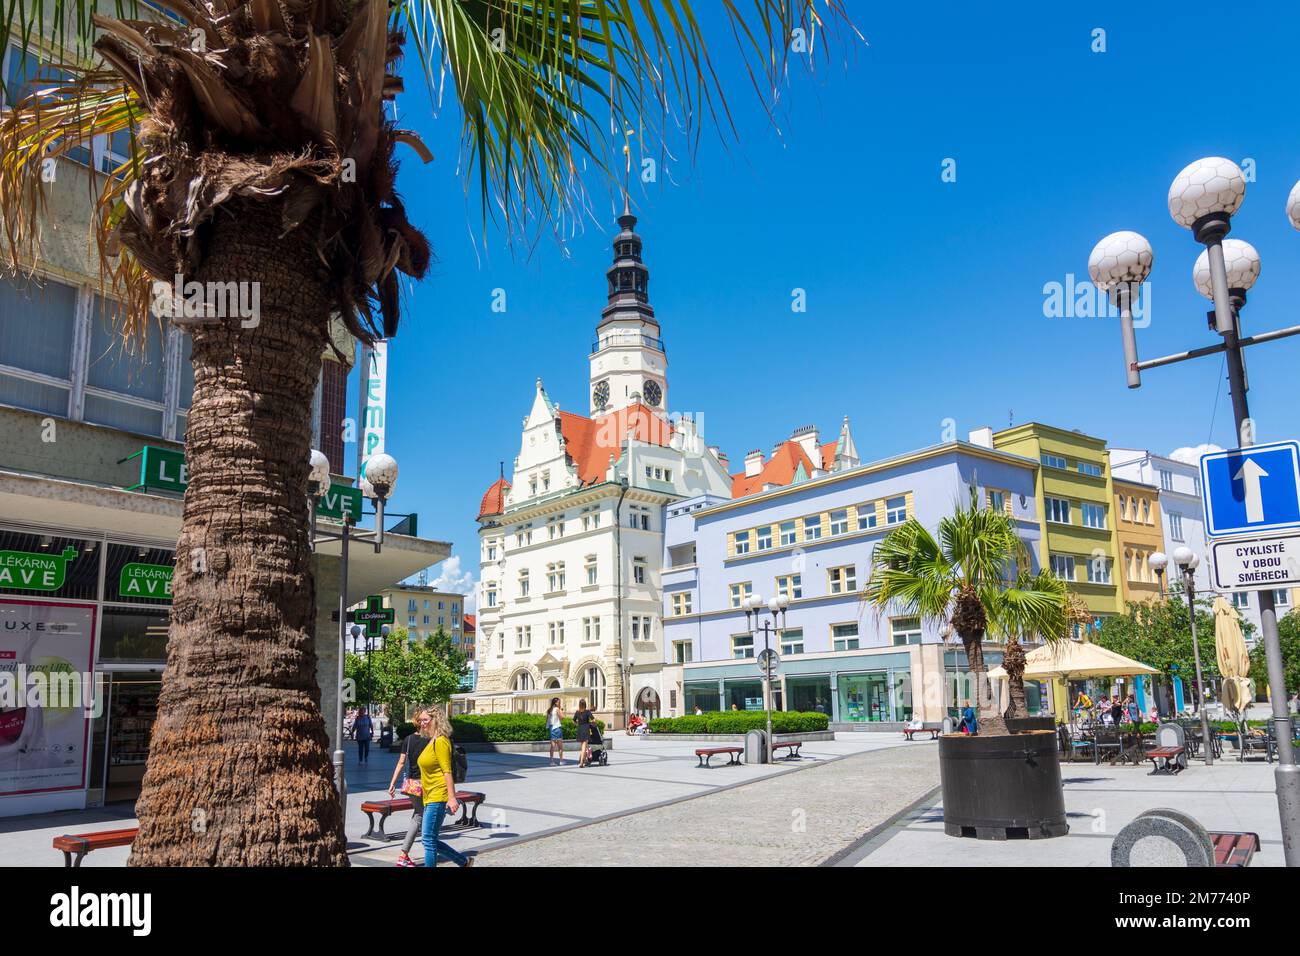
{"x":339,"y":782}
{"x":1287,"y":774}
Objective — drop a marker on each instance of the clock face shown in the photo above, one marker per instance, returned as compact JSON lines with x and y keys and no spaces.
{"x":653,"y":394}
{"x":600,"y":395}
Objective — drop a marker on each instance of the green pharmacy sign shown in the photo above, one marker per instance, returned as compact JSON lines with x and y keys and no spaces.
{"x":34,"y":571}
{"x":145,"y":580}
{"x":161,"y":469}
{"x":339,"y":501}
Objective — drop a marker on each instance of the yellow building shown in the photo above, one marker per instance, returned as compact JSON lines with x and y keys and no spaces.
{"x":1139,"y":534}
{"x":1075,"y":503}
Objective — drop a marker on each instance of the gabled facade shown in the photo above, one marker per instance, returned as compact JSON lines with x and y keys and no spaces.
{"x":571,"y":541}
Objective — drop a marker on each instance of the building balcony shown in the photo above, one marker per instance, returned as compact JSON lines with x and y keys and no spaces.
{"x":628,"y":340}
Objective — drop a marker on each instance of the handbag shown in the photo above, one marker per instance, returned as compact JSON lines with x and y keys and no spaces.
{"x":412,"y":787}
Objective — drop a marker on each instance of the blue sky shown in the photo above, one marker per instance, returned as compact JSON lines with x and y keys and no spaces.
{"x":924,"y":297}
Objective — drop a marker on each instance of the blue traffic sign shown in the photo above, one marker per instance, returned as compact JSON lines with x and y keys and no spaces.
{"x":1250,"y":490}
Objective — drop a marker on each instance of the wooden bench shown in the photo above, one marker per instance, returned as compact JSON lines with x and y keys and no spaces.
{"x":1165,"y":759}
{"x":1234,"y":849}
{"x":83,"y":843}
{"x":706,"y":753}
{"x":469,"y":804}
{"x":792,"y":746}
{"x":932,"y":731}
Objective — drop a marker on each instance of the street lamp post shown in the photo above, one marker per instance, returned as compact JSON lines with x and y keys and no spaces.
{"x":377,"y":484}
{"x":1203,"y":198}
{"x":1188,"y":563}
{"x":776,"y":607}
{"x":1158,"y":562}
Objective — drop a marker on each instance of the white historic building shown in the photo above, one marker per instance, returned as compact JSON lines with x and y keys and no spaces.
{"x":571,"y":542}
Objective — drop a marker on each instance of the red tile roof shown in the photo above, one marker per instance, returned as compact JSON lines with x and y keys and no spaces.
{"x":589,"y":443}
{"x":778,"y":470}
{"x":828,"y":454}
{"x":494,"y":498}
{"x":469,"y":624}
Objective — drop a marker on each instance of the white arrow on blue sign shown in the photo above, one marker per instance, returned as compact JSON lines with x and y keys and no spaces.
{"x":1249,"y":490}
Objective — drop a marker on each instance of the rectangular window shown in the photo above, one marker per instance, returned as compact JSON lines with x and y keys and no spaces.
{"x":997,"y":500}
{"x":1176,"y":527}
{"x":840,"y":521}
{"x":812,"y":527}
{"x":844,"y":637}
{"x":1166,"y":479}
{"x":739,"y":592}
{"x":866,"y":516}
{"x":742,"y":645}
{"x":790,"y":586}
{"x":591,"y":630}
{"x":591,"y":569}
{"x":1241,"y":600}
{"x":787,"y":533}
{"x":1052,"y":461}
{"x":523,"y":584}
{"x":1063,"y":566}
{"x":492,"y":552}
{"x":682,"y":603}
{"x":524,"y":638}
{"x":638,"y":570}
{"x":1057,"y":509}
{"x":905,"y":630}
{"x":764,"y":537}
{"x":896,"y":510}
{"x":1094,"y":516}
{"x":490,"y":595}
{"x":1099,"y":571}
{"x":1088,"y":468}
{"x":682,"y":652}
{"x":1282,"y":598}
{"x":792,"y":641}
{"x":742,"y":542}
{"x":843,"y":580}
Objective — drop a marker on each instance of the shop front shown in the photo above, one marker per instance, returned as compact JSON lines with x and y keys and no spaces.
{"x":864,"y":687}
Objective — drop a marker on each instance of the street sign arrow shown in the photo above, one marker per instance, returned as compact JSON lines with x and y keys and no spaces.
{"x":1249,"y":475}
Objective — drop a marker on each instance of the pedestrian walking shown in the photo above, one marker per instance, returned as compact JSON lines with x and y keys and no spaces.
{"x":364,"y":728}
{"x":555,"y":732}
{"x":583,"y":718}
{"x":409,"y":761}
{"x":438,"y":791}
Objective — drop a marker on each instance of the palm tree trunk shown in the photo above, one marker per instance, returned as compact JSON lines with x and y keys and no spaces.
{"x":1014,"y":664}
{"x":991,"y":723}
{"x":239,"y":772}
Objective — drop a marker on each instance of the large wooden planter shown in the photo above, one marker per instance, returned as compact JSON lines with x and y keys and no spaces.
{"x":1002,"y":788}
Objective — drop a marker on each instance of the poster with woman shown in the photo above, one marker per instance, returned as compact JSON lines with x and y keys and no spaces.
{"x":46,"y":694}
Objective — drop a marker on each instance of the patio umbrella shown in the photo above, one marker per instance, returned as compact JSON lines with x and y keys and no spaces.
{"x":1233,"y":658}
{"x":1075,"y":660}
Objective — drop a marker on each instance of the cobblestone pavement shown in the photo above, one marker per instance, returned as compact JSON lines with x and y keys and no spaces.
{"x":795,"y":819}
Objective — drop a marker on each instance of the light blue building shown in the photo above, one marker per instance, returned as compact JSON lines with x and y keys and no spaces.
{"x":811,"y":540}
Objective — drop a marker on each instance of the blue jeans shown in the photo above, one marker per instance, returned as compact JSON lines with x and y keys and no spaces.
{"x":433,"y":817}
{"x":363,"y":750}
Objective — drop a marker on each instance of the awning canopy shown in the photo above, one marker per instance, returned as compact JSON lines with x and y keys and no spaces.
{"x":1075,"y":660}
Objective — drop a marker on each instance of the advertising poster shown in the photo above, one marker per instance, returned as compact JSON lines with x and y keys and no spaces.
{"x":46,"y":688}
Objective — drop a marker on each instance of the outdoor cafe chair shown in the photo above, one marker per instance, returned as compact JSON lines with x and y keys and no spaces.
{"x":1106,"y":739}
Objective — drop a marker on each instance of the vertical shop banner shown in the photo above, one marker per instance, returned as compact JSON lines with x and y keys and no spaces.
{"x":46,"y":695}
{"x":374,"y":392}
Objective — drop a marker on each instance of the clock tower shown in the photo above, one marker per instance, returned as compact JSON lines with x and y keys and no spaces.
{"x":628,"y":361}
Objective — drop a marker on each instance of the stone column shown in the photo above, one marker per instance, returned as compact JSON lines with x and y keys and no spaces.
{"x":326,"y":569}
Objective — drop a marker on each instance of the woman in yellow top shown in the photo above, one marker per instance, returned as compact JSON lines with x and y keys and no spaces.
{"x":439,"y":790}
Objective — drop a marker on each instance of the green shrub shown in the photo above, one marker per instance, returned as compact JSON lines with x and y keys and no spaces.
{"x":740,"y":721}
{"x":504,"y":728}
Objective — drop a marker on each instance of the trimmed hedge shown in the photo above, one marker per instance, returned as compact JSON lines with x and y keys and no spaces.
{"x":506,"y":728}
{"x":740,"y":721}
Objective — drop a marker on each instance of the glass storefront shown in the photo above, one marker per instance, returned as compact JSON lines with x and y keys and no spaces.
{"x":875,"y":696}
{"x":128,"y":586}
{"x":744,"y":695}
{"x":810,"y":694}
{"x":701,"y":694}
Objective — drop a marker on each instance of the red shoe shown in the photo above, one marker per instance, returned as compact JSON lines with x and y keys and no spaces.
{"x":404,"y":860}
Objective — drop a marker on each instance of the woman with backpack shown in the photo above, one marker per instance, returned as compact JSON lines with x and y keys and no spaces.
{"x":438,"y":790}
{"x":555,"y":732}
{"x":409,"y":759}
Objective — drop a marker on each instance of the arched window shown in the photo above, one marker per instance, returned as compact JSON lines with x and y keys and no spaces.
{"x":593,"y":679}
{"x":523,"y":681}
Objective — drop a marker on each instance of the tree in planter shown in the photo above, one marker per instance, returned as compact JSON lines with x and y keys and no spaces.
{"x":969,"y":576}
{"x":1021,"y":617}
{"x":1288,"y":632}
{"x":262,"y":160}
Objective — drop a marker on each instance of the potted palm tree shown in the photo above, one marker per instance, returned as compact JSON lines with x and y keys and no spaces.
{"x":973,"y":574}
{"x":262,"y":154}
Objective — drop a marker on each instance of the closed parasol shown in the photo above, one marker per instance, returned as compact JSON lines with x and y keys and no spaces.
{"x":1233,"y":658}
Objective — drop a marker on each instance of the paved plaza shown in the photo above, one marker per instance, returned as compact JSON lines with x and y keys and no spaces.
{"x":863,"y":799}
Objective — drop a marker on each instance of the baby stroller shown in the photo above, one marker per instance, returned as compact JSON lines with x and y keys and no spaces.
{"x":597,"y":755}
